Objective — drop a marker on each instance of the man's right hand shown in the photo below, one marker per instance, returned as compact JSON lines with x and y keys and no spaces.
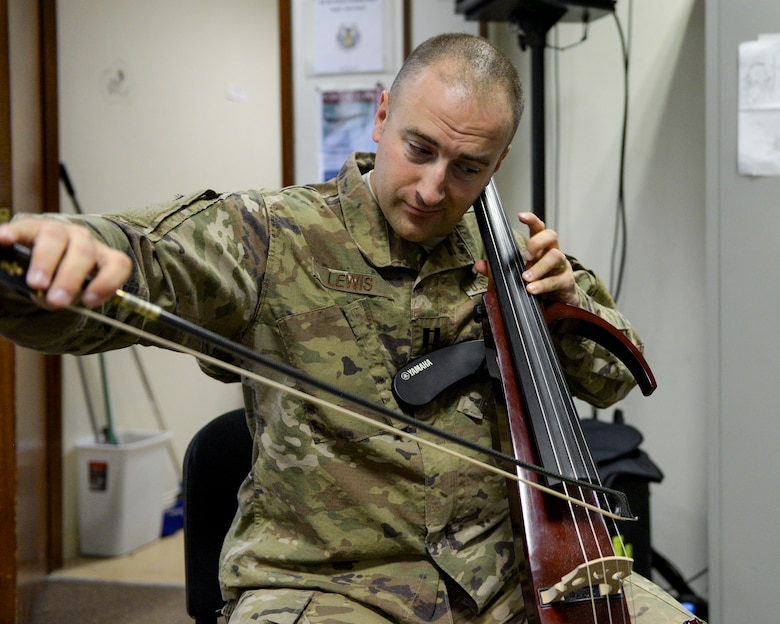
{"x":64,"y":255}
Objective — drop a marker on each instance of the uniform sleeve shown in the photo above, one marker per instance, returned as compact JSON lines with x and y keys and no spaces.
{"x":594,"y":374}
{"x":201,"y":257}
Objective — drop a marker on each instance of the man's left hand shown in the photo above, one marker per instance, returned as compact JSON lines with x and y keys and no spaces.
{"x":548,"y":271}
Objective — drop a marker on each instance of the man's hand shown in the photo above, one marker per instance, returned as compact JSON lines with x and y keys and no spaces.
{"x":63,"y":257}
{"x":548,"y":272}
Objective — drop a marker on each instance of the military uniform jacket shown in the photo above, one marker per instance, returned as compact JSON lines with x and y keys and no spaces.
{"x":313,"y":277}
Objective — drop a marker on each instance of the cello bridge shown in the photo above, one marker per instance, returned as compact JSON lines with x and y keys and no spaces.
{"x":596,"y":578}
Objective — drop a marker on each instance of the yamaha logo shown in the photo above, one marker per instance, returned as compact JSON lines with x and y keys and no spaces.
{"x":416,"y":369}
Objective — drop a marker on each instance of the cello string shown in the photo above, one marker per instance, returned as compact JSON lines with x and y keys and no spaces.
{"x":534,"y":349}
{"x":563,"y":418}
{"x":564,"y":414}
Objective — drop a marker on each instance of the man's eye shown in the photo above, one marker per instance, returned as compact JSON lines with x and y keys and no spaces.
{"x":468,"y":171}
{"x":418,"y":150}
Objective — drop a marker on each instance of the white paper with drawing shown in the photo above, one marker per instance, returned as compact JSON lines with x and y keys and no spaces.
{"x":759,"y":107}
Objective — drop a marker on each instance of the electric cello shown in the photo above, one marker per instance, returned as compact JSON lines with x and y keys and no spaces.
{"x":571,"y":573}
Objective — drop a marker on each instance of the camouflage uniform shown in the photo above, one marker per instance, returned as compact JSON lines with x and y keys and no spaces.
{"x":338,"y":516}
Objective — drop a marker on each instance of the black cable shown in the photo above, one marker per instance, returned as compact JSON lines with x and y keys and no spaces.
{"x":553,"y":223}
{"x":620,"y":235}
{"x":697,"y":576}
{"x":580,"y":41}
{"x":620,"y":238}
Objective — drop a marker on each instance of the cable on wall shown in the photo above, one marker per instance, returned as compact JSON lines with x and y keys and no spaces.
{"x":620,"y":236}
{"x":556,"y":78}
{"x":619,"y":239}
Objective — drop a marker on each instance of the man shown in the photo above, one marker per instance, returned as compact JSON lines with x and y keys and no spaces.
{"x":340,"y":521}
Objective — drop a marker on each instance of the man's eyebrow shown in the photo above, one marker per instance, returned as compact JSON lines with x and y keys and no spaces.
{"x":414,"y":132}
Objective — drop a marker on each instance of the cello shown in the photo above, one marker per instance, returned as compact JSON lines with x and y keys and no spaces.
{"x":571,"y":573}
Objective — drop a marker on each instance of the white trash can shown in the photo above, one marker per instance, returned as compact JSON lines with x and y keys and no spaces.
{"x":121,"y":492}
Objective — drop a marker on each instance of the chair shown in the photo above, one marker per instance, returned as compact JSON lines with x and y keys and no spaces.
{"x":217,"y":460}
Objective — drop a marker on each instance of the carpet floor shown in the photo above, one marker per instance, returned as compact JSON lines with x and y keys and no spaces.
{"x":68,"y":601}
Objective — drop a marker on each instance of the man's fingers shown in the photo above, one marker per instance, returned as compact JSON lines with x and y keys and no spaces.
{"x":534,"y":223}
{"x":44,"y":260}
{"x":77,"y":261}
{"x":114,"y":269}
{"x":66,"y":258}
{"x":552,"y":262}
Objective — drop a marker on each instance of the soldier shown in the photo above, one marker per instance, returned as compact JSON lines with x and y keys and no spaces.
{"x":348,"y":280}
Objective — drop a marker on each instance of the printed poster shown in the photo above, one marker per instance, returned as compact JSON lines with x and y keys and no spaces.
{"x":347,"y":122}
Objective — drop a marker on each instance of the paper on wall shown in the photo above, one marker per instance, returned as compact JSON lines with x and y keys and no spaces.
{"x":348,"y":37}
{"x":759,"y":107}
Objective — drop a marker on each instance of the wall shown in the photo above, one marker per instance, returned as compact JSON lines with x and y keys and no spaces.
{"x":144,"y":150}
{"x":156,"y":99}
{"x":742,"y":237}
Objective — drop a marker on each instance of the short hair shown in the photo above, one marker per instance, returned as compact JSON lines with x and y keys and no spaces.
{"x":481,"y":68}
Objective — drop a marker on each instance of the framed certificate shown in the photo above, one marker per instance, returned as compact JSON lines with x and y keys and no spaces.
{"x":348,"y":37}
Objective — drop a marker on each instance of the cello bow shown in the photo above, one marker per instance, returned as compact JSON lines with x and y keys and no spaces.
{"x":570,"y":573}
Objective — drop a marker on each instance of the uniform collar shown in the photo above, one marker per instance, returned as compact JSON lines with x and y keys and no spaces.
{"x":380,"y":245}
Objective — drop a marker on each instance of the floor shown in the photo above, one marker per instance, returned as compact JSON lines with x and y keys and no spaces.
{"x":159,"y":563}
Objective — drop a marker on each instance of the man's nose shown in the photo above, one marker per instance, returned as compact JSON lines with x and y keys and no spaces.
{"x":431,"y":185}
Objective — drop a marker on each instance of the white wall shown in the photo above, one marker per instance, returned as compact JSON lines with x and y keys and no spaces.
{"x":179,"y":131}
{"x":432,"y":17}
{"x":196,"y":106}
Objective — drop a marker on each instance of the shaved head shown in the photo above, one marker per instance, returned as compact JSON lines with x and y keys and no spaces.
{"x":469,"y":64}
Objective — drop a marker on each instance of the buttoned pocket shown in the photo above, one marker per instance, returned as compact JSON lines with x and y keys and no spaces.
{"x":339,"y":347}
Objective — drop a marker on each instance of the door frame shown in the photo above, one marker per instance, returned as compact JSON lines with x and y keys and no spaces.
{"x":49,"y":384}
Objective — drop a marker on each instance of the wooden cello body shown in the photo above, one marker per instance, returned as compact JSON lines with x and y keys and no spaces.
{"x":571,"y":573}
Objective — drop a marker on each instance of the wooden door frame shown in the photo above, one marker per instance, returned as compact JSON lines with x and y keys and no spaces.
{"x":51,"y":203}
{"x":7,"y":359}
{"x":50,"y":389}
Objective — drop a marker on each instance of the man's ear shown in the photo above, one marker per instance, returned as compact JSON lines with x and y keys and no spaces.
{"x":381,"y":115}
{"x":500,"y":160}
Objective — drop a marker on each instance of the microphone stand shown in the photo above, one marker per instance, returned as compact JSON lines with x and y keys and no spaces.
{"x":534,"y":24}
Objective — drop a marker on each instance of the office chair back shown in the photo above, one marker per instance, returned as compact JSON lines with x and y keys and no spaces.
{"x":217,"y":460}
